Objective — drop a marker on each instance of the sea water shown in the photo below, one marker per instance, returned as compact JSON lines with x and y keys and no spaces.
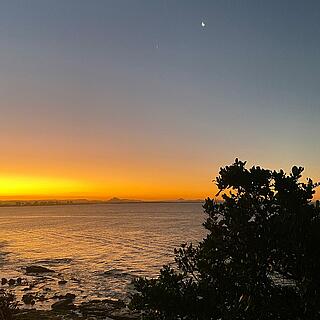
{"x":98,"y":248}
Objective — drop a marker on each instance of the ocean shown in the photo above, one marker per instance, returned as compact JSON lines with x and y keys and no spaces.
{"x":98,"y":248}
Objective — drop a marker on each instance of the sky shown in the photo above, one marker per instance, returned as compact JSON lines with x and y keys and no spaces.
{"x":148,"y":99}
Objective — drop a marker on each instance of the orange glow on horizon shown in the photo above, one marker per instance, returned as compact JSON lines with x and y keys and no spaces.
{"x":144,"y":177}
{"x":28,"y":187}
{"x":38,"y":188}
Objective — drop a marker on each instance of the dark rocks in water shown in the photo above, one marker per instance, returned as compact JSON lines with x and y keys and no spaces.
{"x":62,"y":282}
{"x":64,"y":304}
{"x":70,"y":296}
{"x":11,"y":282}
{"x":112,"y":309}
{"x":34,"y":314}
{"x":95,"y":308}
{"x":28,"y":298}
{"x":63,"y":314}
{"x":4,"y":281}
{"x":124,"y":314}
{"x":38,"y":269}
{"x":118,"y":304}
{"x":42,"y":298}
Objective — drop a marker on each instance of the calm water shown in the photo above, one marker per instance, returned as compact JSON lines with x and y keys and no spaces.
{"x":98,"y":249}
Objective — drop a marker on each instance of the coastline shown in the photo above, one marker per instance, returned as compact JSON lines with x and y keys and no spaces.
{"x":94,"y":310}
{"x":36,"y":299}
{"x":47,"y":203}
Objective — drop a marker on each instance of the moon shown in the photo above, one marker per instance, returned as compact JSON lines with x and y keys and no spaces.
{"x":203,"y":24}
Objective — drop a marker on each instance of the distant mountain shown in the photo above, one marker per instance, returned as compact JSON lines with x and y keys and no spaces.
{"x":188,"y":200}
{"x":119,"y":200}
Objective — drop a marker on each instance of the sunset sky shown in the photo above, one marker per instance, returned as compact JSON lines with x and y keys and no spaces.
{"x":147,"y":99}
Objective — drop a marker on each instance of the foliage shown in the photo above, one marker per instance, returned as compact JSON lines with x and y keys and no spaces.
{"x":260,"y":259}
{"x":7,"y":305}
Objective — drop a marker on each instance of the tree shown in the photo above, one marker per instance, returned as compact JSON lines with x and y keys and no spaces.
{"x":259,"y":260}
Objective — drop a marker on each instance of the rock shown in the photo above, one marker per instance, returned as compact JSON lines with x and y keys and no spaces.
{"x":38,"y":269}
{"x":28,"y":298}
{"x":124,"y":314}
{"x":116,"y":303}
{"x":62,"y":282}
{"x":33,"y":314}
{"x":95,"y":308}
{"x":64,"y":304}
{"x":11,"y":282}
{"x":99,"y":309}
{"x":70,"y":296}
{"x":4,"y":281}
{"x":42,"y":298}
{"x":19,"y":281}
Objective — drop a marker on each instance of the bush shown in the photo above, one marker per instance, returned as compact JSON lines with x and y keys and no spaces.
{"x":7,"y":305}
{"x":260,"y":259}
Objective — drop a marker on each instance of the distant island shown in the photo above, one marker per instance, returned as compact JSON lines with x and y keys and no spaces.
{"x":114,"y":200}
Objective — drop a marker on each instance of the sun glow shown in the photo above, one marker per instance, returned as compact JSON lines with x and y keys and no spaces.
{"x":31,"y":187}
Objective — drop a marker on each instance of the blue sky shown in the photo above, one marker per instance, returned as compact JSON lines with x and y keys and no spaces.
{"x":120,"y":91}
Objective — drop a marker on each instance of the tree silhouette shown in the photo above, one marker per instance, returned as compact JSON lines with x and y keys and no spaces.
{"x":260,"y":259}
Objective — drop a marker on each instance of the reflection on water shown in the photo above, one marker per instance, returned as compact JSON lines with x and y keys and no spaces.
{"x":96,"y":248}
{"x":3,"y":252}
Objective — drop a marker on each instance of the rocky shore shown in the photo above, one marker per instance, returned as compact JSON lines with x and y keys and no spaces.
{"x":36,"y":299}
{"x":93,"y":310}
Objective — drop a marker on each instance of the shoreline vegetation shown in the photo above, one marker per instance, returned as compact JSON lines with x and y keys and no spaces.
{"x":260,"y":259}
{"x":29,"y":203}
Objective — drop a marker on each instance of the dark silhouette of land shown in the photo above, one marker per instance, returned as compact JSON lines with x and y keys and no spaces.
{"x":114,"y":200}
